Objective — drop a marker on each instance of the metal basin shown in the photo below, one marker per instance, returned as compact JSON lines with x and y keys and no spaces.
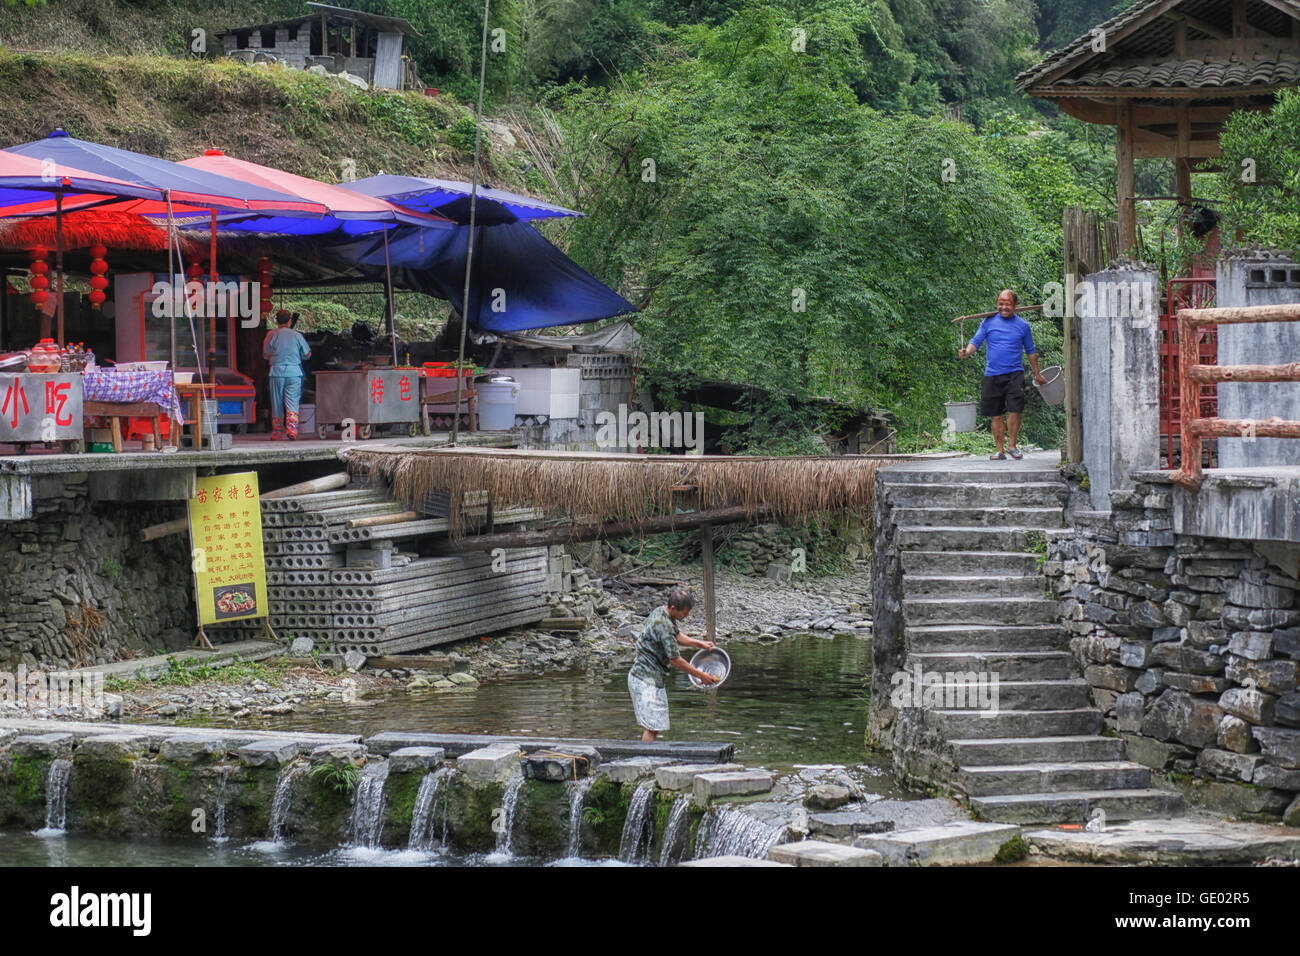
{"x":715,"y":662}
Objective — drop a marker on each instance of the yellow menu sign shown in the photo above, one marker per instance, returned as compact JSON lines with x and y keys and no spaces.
{"x":226,"y":537}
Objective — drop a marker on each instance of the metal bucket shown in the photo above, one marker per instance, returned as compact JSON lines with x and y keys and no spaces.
{"x":211,"y":410}
{"x":961,"y":414}
{"x":1054,"y":391}
{"x":715,"y":662}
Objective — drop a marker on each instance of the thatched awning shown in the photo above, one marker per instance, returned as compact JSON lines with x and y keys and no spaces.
{"x":595,"y":488}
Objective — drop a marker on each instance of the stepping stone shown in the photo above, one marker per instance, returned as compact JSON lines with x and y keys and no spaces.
{"x":730,"y":861}
{"x":340,"y":753}
{"x":633,"y":769}
{"x":492,"y":764}
{"x":114,"y":745}
{"x":413,"y":759}
{"x":1181,"y":842}
{"x":682,"y":776}
{"x":884,"y":816}
{"x":818,"y":853}
{"x":710,"y":786}
{"x":952,"y":844}
{"x":192,"y":749}
{"x":268,"y":753}
{"x":42,"y":745}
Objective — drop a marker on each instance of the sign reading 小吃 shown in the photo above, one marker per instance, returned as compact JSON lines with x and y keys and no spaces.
{"x":226,"y":537}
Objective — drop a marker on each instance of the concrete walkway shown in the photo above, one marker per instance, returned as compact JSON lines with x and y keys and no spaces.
{"x":147,"y":668}
{"x":1177,"y":842}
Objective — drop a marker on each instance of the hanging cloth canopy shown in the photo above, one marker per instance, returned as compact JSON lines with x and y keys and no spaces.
{"x":190,"y":190}
{"x":451,"y":198}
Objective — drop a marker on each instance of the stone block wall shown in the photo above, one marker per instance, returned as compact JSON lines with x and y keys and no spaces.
{"x":77,"y":554}
{"x":1191,"y":646}
{"x":606,"y":384}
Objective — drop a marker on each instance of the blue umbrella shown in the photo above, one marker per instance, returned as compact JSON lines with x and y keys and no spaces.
{"x":450,"y":198}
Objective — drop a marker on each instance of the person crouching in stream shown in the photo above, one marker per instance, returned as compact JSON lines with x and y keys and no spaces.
{"x":656,"y":653}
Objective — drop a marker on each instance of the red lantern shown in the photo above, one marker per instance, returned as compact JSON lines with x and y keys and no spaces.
{"x":38,"y":280}
{"x":265,"y":291}
{"x":195,"y":271}
{"x":98,"y":268}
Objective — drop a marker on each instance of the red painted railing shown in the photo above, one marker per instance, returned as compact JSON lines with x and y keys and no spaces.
{"x":1186,"y":293}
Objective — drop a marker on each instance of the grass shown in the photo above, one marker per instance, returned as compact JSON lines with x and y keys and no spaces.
{"x":189,"y":672}
{"x":340,"y":777}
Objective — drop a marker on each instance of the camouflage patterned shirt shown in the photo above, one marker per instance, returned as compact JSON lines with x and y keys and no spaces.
{"x":656,"y":646}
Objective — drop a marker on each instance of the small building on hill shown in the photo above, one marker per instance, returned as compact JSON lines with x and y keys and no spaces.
{"x":365,"y":46}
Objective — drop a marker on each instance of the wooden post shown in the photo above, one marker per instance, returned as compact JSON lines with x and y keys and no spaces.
{"x":1190,"y":399}
{"x":1124,"y":188}
{"x":706,"y":558}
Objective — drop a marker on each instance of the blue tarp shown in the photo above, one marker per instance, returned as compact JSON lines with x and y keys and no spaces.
{"x":519,"y":281}
{"x":451,"y":198}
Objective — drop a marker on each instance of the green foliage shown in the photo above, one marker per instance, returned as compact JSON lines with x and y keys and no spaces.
{"x":1013,"y":851}
{"x":189,"y":671}
{"x":339,"y":777}
{"x":1267,"y":210}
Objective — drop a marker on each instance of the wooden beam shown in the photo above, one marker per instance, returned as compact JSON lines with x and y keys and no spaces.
{"x":706,"y":560}
{"x":1092,"y":111}
{"x":1156,"y":92}
{"x":1124,"y":178}
{"x":1197,"y":149}
{"x":1185,"y":20}
{"x":621,"y":529}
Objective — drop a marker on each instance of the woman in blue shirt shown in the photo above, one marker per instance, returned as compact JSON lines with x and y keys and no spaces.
{"x":285,"y":350}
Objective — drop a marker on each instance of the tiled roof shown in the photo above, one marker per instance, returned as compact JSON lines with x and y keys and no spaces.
{"x":1275,"y":70}
{"x":1081,"y":48}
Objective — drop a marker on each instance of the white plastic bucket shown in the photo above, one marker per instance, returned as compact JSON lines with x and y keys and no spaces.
{"x":496,"y":405}
{"x":961,"y":414}
{"x":1054,"y":391}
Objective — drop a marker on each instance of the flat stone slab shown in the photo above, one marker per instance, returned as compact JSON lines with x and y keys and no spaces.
{"x":458,"y":744}
{"x":633,"y":769}
{"x":489,"y":764}
{"x":409,"y":759}
{"x":268,"y":753}
{"x":42,"y":745}
{"x":354,"y":754}
{"x":185,"y":749}
{"x":81,"y":729}
{"x":819,"y":853}
{"x":114,"y":745}
{"x":884,"y":816}
{"x":952,"y":844}
{"x":6,"y":738}
{"x":682,"y":776}
{"x":1178,"y":842}
{"x":558,"y":766}
{"x":710,"y":786}
{"x":730,"y":861}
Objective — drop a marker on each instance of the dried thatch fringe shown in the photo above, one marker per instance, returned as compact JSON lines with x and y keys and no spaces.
{"x":596,"y":489}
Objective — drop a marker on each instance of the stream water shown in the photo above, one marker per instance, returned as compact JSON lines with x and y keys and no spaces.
{"x":789,"y":703}
{"x":799,"y":700}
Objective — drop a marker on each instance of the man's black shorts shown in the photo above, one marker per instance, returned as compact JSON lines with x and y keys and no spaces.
{"x":1002,"y":393}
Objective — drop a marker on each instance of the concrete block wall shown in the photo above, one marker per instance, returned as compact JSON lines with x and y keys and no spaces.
{"x":1258,"y":278}
{"x":1191,"y":646}
{"x":1120,"y":347}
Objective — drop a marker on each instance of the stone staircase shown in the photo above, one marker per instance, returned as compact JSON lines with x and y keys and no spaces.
{"x":974,"y":600}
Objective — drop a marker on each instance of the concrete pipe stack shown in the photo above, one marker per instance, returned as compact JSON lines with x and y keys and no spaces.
{"x":351,"y":588}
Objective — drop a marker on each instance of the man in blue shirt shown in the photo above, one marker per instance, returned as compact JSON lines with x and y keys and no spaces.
{"x":1003,"y":389}
{"x":284,"y":348}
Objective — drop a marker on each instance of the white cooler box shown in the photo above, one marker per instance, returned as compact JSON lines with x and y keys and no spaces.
{"x":547,"y":391}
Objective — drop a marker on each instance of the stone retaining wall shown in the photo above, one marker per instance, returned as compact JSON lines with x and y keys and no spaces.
{"x":79,"y":553}
{"x":1191,"y":646}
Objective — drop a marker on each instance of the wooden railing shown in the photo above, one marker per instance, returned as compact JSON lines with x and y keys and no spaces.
{"x":1194,"y":375}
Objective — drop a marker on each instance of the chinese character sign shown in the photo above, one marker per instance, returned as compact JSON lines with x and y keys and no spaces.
{"x":40,"y":407}
{"x":226,"y":537}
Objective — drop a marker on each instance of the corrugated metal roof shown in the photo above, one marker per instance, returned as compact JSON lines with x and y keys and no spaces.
{"x":1150,"y":40}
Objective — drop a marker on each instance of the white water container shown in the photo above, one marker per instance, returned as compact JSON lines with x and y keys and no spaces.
{"x":496,"y":405}
{"x":962,"y":415}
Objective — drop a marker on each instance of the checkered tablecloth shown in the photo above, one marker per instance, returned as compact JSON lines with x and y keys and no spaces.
{"x":111,"y":385}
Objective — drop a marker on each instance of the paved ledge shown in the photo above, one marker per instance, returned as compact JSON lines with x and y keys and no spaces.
{"x":456,"y":745}
{"x":157,"y":733}
{"x":1180,"y":842}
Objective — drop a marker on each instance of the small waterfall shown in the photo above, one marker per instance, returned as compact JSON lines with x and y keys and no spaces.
{"x":675,"y":832}
{"x":725,"y":831}
{"x":509,"y":802}
{"x":223,"y":790}
{"x":425,"y":814}
{"x":283,"y":796}
{"x":577,"y":797}
{"x":368,"y":807}
{"x":56,"y":793}
{"x":639,"y":827}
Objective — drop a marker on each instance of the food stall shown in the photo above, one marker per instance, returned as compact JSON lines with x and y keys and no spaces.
{"x":368,"y":397}
{"x":40,"y":403}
